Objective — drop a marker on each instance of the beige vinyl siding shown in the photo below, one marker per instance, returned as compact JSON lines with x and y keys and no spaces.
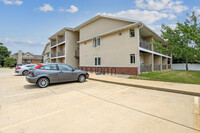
{"x":70,"y":47}
{"x":100,"y":26}
{"x":115,"y":50}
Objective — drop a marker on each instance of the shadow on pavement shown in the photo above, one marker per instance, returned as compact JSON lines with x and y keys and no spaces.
{"x":18,"y":75}
{"x":31,"y":86}
{"x":63,"y":83}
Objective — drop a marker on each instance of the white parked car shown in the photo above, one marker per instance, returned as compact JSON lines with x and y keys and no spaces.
{"x":24,"y":69}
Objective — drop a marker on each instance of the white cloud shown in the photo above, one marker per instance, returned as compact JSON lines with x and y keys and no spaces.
{"x":172,"y":17}
{"x":73,"y":9}
{"x":157,"y":28}
{"x":25,"y":45}
{"x":196,"y":10}
{"x":12,"y":2}
{"x":18,"y":2}
{"x":46,"y":8}
{"x":9,"y":40}
{"x":148,"y":17}
{"x":165,"y":5}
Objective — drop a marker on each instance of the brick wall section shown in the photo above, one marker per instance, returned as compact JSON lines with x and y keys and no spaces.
{"x":118,"y":70}
{"x":36,"y":61}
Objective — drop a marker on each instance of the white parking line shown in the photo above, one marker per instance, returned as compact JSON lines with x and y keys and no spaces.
{"x":196,"y":113}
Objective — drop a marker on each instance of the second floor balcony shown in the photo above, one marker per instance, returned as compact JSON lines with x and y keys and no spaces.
{"x":61,"y":39}
{"x":145,"y":44}
{"x":53,"y":43}
{"x":53,"y":55}
{"x":61,"y":53}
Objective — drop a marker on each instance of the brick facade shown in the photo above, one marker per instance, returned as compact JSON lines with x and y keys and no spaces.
{"x":36,"y":61}
{"x":117,"y":70}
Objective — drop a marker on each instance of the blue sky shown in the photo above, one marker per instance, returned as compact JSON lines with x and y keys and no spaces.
{"x":27,"y":24}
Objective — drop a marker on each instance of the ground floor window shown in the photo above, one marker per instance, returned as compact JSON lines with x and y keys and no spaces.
{"x":132,"y":58}
{"x":97,"y":61}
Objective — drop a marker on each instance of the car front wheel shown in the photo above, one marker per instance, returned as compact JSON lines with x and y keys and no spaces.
{"x":43,"y":82}
{"x":81,"y":78}
{"x":25,"y":73}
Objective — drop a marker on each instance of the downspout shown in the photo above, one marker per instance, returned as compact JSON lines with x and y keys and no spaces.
{"x":138,"y":48}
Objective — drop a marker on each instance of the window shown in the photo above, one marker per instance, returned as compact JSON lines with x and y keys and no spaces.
{"x":47,"y":54}
{"x":64,"y":67}
{"x":49,"y":67}
{"x":97,"y":61}
{"x":96,"y":41}
{"x":132,"y":33}
{"x":132,"y":57}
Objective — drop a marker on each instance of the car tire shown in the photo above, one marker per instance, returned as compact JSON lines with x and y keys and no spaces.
{"x":81,"y":78}
{"x":25,"y":73}
{"x":43,"y":82}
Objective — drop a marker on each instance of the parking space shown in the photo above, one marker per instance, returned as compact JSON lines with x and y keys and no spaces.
{"x":92,"y":107}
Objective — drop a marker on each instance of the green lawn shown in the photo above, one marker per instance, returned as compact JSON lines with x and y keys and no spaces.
{"x":191,"y":77}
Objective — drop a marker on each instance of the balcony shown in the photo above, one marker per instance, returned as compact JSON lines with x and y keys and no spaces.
{"x":61,"y":53}
{"x":145,"y":68}
{"x":157,"y":67}
{"x":169,"y":66}
{"x":145,"y":44}
{"x":164,"y":67}
{"x":77,"y":53}
{"x":53,"y":55}
{"x":61,"y":39}
{"x":53,"y":43}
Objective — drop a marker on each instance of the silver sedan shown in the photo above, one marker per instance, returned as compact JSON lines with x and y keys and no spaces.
{"x":47,"y":73}
{"x":24,"y":69}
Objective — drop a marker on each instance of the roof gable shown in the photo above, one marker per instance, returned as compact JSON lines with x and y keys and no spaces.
{"x":104,"y":16}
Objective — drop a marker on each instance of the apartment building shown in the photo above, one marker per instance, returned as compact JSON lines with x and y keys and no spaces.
{"x":64,"y":47}
{"x":109,"y":44}
{"x":46,"y":53}
{"x":26,"y":58}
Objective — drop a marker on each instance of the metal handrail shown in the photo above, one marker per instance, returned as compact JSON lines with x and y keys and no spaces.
{"x":61,"y":53}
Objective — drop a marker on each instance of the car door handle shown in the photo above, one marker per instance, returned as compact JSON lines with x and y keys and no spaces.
{"x":61,"y":72}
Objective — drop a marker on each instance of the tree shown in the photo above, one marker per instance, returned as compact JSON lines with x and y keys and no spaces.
{"x":183,"y":42}
{"x":3,"y":53}
{"x":9,"y":61}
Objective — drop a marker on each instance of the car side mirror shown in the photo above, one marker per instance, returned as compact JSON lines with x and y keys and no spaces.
{"x":73,"y":69}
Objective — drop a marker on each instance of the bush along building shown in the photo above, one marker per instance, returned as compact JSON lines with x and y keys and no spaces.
{"x":109,"y":44}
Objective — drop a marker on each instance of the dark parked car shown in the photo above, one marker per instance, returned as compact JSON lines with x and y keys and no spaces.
{"x":47,"y":73}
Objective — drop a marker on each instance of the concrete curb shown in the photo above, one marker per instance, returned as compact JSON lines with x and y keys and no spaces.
{"x":151,"y":87}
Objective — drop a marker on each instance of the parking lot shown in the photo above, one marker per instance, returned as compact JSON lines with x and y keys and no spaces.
{"x":92,"y":107}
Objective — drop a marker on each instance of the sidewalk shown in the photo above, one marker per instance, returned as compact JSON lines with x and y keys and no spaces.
{"x":188,"y":89}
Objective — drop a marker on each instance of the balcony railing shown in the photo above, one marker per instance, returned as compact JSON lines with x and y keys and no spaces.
{"x":53,"y":43}
{"x":61,"y":39}
{"x":169,"y":66}
{"x":61,"y":53}
{"x":53,"y":54}
{"x":146,"y":68}
{"x":77,"y":53}
{"x":145,"y":44}
{"x":164,"y":67}
{"x":157,"y":67}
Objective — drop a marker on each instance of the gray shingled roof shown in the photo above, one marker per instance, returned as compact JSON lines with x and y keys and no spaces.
{"x":36,"y":57}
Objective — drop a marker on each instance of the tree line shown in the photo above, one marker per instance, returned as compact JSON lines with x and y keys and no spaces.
{"x":183,"y":42}
{"x":5,"y":59}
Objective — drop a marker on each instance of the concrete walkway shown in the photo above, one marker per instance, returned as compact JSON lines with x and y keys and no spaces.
{"x":188,"y":89}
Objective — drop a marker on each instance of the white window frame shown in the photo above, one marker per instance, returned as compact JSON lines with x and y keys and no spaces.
{"x":97,"y":57}
{"x":131,"y":58}
{"x":95,"y":42}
